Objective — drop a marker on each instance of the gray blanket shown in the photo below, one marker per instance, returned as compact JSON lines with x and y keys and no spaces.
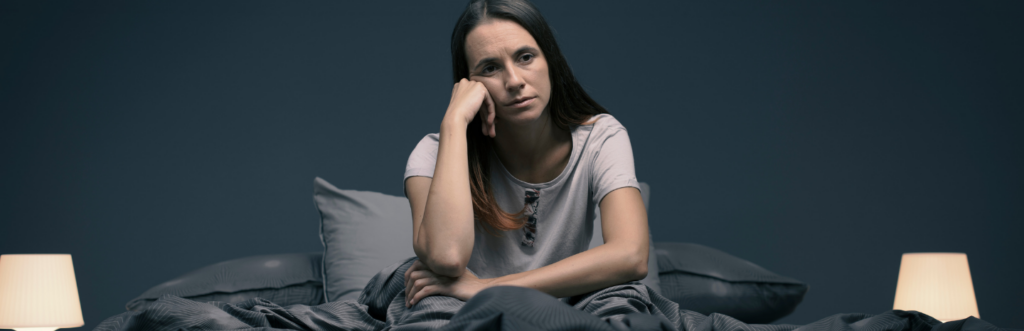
{"x":630,"y":306}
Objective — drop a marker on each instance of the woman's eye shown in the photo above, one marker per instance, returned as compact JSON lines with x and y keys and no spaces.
{"x":526,"y":57}
{"x":488,"y":69}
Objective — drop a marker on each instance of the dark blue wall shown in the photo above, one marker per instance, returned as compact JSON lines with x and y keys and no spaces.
{"x":820,"y":140}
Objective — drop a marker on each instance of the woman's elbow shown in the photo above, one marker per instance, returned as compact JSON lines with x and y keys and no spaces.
{"x":641,"y":271}
{"x":443,"y":261}
{"x":636,"y":263}
{"x":449,"y":265}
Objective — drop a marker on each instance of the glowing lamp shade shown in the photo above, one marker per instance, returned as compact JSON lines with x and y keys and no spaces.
{"x":38,"y":292}
{"x":937,"y":284}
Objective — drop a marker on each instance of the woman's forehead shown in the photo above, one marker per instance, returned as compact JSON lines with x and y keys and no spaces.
{"x":496,"y":37}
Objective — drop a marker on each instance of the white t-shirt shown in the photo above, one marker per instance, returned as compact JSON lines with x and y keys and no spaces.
{"x":561,"y":212}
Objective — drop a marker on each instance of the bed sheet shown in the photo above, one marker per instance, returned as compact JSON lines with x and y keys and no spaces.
{"x":629,"y":306}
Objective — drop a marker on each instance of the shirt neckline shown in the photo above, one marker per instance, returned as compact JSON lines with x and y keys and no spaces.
{"x":578,"y":139}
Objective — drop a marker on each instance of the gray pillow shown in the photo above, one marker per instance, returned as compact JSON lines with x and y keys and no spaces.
{"x":652,"y":280}
{"x":285,"y":279}
{"x":362,"y":233}
{"x":706,"y":280}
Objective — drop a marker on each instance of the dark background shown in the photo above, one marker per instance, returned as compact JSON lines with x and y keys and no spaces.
{"x":820,"y":140}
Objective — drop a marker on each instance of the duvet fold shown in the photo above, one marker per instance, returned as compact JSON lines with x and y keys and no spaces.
{"x":630,"y":306}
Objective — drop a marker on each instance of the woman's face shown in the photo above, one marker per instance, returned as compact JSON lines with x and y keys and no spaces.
{"x":504,"y":57}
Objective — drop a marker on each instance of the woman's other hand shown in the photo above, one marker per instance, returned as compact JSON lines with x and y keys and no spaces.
{"x":420,"y":282}
{"x":469,"y":99}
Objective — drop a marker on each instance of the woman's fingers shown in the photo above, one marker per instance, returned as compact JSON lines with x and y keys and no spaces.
{"x":466,"y":101}
{"x":410,"y":275}
{"x":455,"y":88}
{"x":418,"y":275}
{"x":416,"y":265}
{"x":417,"y":288}
{"x":490,"y":116}
{"x":486,"y":112}
{"x":423,"y":292}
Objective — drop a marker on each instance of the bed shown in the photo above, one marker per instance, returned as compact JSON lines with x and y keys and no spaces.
{"x":351,"y":285}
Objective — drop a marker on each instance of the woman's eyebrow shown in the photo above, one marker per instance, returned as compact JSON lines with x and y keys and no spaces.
{"x":521,"y":50}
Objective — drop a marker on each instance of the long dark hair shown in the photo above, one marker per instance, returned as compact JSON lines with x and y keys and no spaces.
{"x":569,"y":103}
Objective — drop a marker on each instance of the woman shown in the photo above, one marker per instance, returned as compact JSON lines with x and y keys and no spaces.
{"x":525,"y":159}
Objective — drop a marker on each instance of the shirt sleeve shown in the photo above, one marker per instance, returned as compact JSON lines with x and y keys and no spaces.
{"x":613,"y":167}
{"x":423,"y":158}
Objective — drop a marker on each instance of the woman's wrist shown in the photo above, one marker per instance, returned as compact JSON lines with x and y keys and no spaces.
{"x":483,"y":284}
{"x":454,"y":123}
{"x":507,"y":280}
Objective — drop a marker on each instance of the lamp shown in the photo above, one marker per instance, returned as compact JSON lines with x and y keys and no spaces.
{"x":38,"y":292}
{"x":937,"y":284}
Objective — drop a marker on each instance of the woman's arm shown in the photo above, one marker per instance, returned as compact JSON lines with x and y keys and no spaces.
{"x":442,"y":207}
{"x":622,"y":258}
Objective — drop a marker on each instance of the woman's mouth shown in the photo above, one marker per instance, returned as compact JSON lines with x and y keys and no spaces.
{"x":519,"y":103}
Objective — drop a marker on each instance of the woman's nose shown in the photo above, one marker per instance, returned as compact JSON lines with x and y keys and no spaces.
{"x":513,"y":80}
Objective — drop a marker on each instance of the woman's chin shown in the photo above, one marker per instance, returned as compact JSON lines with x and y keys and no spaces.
{"x":519,"y":116}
